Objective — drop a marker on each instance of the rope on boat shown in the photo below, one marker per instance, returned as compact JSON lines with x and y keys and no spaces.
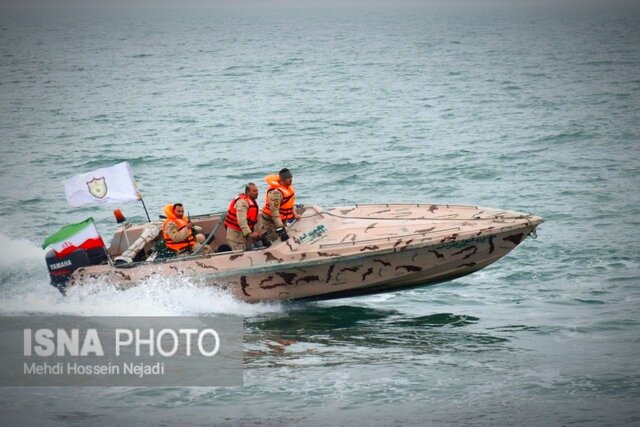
{"x":210,"y":236}
{"x":416,"y":219}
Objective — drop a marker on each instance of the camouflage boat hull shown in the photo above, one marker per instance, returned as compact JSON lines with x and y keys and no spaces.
{"x":342,"y":252}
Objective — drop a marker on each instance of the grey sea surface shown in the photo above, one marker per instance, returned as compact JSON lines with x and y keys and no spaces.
{"x":534,"y":112}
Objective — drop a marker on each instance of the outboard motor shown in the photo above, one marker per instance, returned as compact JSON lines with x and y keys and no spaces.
{"x":60,"y":269}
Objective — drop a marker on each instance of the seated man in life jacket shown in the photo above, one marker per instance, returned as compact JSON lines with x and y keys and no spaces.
{"x":178,"y":232}
{"x":242,"y":217}
{"x":280,"y":204}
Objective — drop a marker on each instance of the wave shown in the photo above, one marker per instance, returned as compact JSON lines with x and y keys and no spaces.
{"x":24,"y":282}
{"x":563,"y":137}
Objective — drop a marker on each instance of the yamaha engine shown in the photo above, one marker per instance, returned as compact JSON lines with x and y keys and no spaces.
{"x":60,"y":268}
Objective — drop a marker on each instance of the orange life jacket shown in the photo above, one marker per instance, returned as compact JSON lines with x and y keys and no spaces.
{"x":232,"y":213}
{"x":180,"y":222}
{"x":287,"y":205}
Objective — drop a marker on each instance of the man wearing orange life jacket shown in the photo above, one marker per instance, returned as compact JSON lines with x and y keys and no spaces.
{"x":178,"y":231}
{"x":242,"y":217}
{"x":280,"y":203}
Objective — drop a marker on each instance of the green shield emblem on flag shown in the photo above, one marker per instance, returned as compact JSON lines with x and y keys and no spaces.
{"x":97,"y":187}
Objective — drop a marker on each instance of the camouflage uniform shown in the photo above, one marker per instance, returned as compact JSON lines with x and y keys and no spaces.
{"x":240,"y":240}
{"x":179,"y":235}
{"x":268,"y":224}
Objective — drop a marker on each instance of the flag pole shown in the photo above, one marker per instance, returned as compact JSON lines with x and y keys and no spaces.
{"x":144,"y":206}
{"x":106,"y":252}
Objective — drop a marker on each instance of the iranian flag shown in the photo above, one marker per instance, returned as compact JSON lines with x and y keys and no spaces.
{"x":83,"y":235}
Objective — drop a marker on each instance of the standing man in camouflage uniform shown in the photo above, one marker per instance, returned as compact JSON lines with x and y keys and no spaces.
{"x":242,"y":217}
{"x":279,"y":205}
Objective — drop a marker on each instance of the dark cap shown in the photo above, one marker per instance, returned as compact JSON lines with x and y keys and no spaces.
{"x":285,"y":173}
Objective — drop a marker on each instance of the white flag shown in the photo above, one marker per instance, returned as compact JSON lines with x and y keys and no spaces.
{"x":106,"y":185}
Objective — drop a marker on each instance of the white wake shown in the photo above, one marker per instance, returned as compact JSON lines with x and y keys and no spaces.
{"x":25,"y":289}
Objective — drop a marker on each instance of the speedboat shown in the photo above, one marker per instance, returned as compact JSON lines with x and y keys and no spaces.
{"x":331,"y":253}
